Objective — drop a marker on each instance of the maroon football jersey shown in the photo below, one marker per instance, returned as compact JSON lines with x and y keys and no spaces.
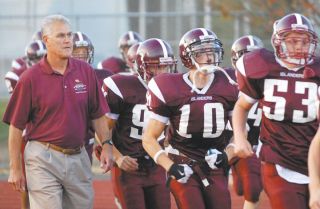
{"x":126,"y":96}
{"x":113,"y":64}
{"x":102,"y":74}
{"x":197,"y":118}
{"x":254,"y":121}
{"x":289,"y":103}
{"x":18,"y":67}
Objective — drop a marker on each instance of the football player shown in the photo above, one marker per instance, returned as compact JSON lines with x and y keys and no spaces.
{"x":198,"y":105}
{"x":126,"y":41}
{"x":246,"y":171}
{"x":285,"y":82}
{"x":33,"y":53}
{"x":37,"y":36}
{"x":19,"y":65}
{"x":131,"y":58}
{"x":118,"y":65}
{"x":141,"y":181}
{"x":83,"y":49}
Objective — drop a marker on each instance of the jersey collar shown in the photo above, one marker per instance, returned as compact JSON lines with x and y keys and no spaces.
{"x":198,"y":91}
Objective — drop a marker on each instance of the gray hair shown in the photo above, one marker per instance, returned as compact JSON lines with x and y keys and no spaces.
{"x":49,"y":20}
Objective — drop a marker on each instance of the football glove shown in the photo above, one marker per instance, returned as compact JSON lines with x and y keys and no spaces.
{"x":216,"y":159}
{"x":181,"y":172}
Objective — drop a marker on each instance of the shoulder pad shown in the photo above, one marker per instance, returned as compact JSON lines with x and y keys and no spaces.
{"x":231,"y":72}
{"x":124,"y":85}
{"x":257,"y":64}
{"x":102,"y":74}
{"x":170,"y":85}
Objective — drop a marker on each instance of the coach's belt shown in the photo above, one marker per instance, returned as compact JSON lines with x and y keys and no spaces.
{"x":63,"y":150}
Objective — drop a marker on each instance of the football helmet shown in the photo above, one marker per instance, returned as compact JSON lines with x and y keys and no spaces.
{"x":82,"y":40}
{"x":126,"y":40}
{"x":154,"y":56}
{"x":200,"y":41}
{"x":299,"y":24}
{"x":131,"y":57}
{"x":243,"y":45}
{"x":37,"y":36}
{"x":34,"y":52}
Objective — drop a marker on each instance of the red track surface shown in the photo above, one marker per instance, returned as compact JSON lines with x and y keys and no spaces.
{"x":10,"y":199}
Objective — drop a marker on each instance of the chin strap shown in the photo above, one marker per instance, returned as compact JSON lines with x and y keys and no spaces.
{"x":144,"y":83}
{"x":208,"y":69}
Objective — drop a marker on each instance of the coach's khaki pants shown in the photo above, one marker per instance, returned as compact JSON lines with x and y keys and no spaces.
{"x":56,"y":180}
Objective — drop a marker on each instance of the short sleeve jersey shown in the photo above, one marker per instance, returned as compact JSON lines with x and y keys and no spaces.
{"x":289,"y":103}
{"x":126,"y":97}
{"x":197,"y":118}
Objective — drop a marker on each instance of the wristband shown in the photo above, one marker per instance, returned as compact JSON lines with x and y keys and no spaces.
{"x":108,"y":141}
{"x":156,"y":156}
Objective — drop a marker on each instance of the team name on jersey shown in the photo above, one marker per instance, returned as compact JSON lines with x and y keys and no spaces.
{"x":201,"y":98}
{"x":293,"y":75}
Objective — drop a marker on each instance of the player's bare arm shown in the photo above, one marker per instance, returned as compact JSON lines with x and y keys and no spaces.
{"x":239,"y":120}
{"x":151,"y":145}
{"x":314,"y":172}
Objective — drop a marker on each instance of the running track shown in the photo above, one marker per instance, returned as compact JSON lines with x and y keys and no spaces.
{"x":10,"y":199}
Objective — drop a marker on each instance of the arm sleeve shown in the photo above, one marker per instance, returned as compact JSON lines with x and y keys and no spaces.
{"x":247,"y":86}
{"x":155,"y":100}
{"x":115,"y":102}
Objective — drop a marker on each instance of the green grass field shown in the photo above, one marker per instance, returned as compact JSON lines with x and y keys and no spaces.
{"x":3,"y":127}
{"x":3,"y":142}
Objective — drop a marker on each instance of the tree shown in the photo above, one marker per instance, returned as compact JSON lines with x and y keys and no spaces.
{"x":262,"y":14}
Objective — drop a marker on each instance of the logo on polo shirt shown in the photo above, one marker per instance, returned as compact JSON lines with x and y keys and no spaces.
{"x":79,"y":87}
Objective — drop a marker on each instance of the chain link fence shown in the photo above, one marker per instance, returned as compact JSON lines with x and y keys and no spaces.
{"x":166,"y":19}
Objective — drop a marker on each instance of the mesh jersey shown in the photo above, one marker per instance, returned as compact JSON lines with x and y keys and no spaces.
{"x":126,"y":96}
{"x":197,"y":119}
{"x":289,"y":103}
